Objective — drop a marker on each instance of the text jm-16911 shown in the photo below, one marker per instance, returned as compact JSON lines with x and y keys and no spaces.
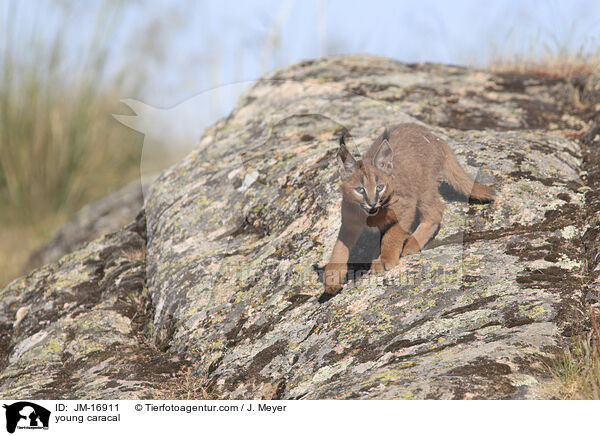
{"x":96,"y":407}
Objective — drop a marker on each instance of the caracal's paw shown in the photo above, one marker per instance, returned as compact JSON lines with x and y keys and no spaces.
{"x":383,"y":263}
{"x":333,"y":278}
{"x":333,"y":289}
{"x":411,"y":247}
{"x":377,"y":265}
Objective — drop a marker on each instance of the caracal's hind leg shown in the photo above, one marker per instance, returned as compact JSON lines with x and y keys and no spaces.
{"x":431,"y":210}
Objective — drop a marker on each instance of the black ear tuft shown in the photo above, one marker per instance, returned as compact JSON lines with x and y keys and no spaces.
{"x":346,"y":161}
{"x":342,"y":141}
{"x":384,"y":157}
{"x":386,"y":134}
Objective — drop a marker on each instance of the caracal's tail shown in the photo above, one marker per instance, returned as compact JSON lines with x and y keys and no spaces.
{"x":460,"y":181}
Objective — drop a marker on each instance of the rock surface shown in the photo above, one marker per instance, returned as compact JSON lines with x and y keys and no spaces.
{"x":106,"y":215}
{"x":235,"y":230}
{"x":76,"y":326}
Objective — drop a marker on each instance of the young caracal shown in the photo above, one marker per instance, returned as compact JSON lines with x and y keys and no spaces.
{"x":396,"y":181}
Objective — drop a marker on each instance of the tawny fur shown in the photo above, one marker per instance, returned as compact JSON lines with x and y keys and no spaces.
{"x":396,"y":178}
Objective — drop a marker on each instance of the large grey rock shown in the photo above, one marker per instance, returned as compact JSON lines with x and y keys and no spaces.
{"x":230,"y":257}
{"x":236,"y":229}
{"x":76,"y":328}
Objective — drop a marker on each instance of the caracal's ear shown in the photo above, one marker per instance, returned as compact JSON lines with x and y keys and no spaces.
{"x":384,"y":157}
{"x":345,"y":160}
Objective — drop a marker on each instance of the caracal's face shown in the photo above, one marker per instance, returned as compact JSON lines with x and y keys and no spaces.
{"x":369,"y":187}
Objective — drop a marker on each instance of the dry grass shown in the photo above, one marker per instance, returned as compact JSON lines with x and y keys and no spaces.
{"x":186,"y":386}
{"x":554,"y":62}
{"x":576,"y":373}
{"x":55,"y":158}
{"x":60,"y":148}
{"x":135,"y":255}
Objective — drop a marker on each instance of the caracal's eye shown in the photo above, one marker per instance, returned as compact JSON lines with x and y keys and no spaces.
{"x":380,"y":188}
{"x":360,"y":190}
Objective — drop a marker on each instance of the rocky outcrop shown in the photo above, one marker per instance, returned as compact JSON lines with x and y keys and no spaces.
{"x":76,"y":328}
{"x":103,"y":216}
{"x":237,"y":231}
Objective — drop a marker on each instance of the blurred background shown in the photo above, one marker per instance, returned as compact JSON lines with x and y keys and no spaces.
{"x":65,"y":66}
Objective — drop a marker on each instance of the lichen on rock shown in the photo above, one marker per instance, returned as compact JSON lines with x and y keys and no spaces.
{"x":231,"y":270}
{"x":236,"y":233}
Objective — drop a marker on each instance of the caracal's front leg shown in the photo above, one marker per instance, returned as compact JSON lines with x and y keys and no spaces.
{"x":336,"y":269}
{"x":391,"y":246}
{"x":395,"y":235}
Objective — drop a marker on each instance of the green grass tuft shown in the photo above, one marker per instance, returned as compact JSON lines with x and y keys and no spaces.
{"x":576,"y":373}
{"x":60,"y":148}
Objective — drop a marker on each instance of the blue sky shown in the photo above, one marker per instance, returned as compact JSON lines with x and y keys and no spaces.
{"x":222,"y":42}
{"x":218,"y":43}
{"x":186,"y":48}
{"x":204,"y":44}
